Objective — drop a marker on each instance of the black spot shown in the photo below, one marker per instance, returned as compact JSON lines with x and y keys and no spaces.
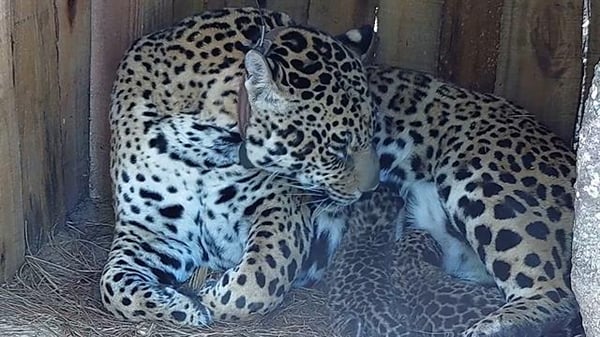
{"x":264,"y":234}
{"x":553,"y":295}
{"x":417,"y":138}
{"x":549,"y":270}
{"x":270,"y":261}
{"x":554,"y":214}
{"x":471,"y":187}
{"x":172,"y":212}
{"x":252,"y":207}
{"x":260,"y":278}
{"x":506,"y":143}
{"x":463,"y":174}
{"x":126,"y":301}
{"x":541,"y":191}
{"x":527,"y":197}
{"x":226,"y":194}
{"x":292,"y":267}
{"x":557,"y":258}
{"x":240,"y":303}
{"x":528,"y":160}
{"x":501,"y":270}
{"x":503,"y":212}
{"x":507,"y":239}
{"x":460,"y":225}
{"x":471,"y":208}
{"x":532,"y":260}
{"x":284,"y":248}
{"x":538,"y":230}
{"x":416,"y":164}
{"x":508,"y":178}
{"x":160,"y":143}
{"x":273,"y":286}
{"x":524,"y":281}
{"x":548,"y":170}
{"x":226,"y":297}
{"x":561,"y":238}
{"x":179,"y":316}
{"x":491,"y":189}
{"x":444,"y":193}
{"x":144,"y":193}
{"x":241,"y":280}
{"x":483,"y":234}
{"x":254,"y":307}
{"x":294,"y":41}
{"x":529,"y":181}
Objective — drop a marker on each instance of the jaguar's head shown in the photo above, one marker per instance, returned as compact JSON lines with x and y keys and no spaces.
{"x":310,"y":115}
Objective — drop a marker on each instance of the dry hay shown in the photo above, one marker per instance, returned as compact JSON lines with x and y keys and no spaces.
{"x":55,"y":293}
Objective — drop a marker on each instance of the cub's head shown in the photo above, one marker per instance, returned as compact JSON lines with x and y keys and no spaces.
{"x":310,"y":115}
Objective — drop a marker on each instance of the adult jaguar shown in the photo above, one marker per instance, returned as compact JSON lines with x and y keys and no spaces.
{"x":491,"y":185}
{"x":210,"y":138}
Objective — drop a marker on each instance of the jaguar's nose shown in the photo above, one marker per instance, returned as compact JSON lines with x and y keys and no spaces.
{"x":367,"y":170}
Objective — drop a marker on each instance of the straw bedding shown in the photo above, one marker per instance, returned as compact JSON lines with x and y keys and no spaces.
{"x":55,"y":293}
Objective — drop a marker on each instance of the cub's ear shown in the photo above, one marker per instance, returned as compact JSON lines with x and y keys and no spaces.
{"x":362,"y":41}
{"x":260,"y":79}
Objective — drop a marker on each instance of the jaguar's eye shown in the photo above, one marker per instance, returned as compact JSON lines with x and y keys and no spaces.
{"x":339,"y":152}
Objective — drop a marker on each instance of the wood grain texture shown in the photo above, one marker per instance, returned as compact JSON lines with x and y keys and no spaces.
{"x":297,"y":9}
{"x":539,"y":63}
{"x":37,"y":105}
{"x":336,"y":18}
{"x":73,"y":24}
{"x":409,"y":33}
{"x":184,"y":8}
{"x":115,"y":25}
{"x":12,"y":241}
{"x":469,"y":42}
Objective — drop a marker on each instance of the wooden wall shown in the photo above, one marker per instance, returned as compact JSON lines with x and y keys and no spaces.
{"x":44,"y":104}
{"x":58,"y":58}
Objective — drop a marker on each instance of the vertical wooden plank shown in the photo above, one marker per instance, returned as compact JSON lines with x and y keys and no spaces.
{"x":214,"y":4}
{"x":37,"y":102}
{"x":73,"y":48}
{"x":115,"y":24}
{"x":185,"y":8}
{"x":334,"y":18}
{"x":409,"y":33}
{"x":539,"y":65}
{"x":591,"y":26}
{"x":469,"y":42}
{"x":297,"y":9}
{"x":238,"y":3}
{"x":12,"y":241}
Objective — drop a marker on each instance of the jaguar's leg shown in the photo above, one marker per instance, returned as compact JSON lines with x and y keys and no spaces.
{"x":141,"y":279}
{"x":278,"y":243}
{"x":524,"y":248}
{"x":425,"y":211}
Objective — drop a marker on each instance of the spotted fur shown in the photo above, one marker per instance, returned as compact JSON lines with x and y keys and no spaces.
{"x":182,"y":198}
{"x":491,"y":184}
{"x":380,"y":286}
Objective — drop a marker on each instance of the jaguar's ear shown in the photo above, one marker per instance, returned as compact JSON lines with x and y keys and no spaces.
{"x":259,"y":79}
{"x":362,"y":41}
